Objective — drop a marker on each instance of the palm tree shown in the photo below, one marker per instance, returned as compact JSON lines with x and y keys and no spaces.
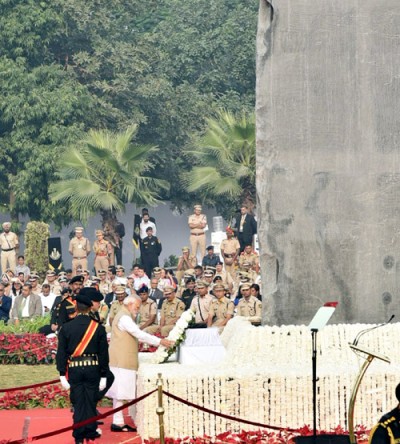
{"x":226,"y":160}
{"x":105,"y":173}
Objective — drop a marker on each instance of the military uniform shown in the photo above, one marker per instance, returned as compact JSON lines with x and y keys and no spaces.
{"x":220,"y":310}
{"x":79,"y":248}
{"x":252,"y":259}
{"x":66,"y":310}
{"x":187,"y":297}
{"x":146,"y":311}
{"x":8,"y":243}
{"x":185,"y":262}
{"x":250,"y":308}
{"x":114,"y":309}
{"x":84,"y":371}
{"x":170,"y":313}
{"x":387,"y":431}
{"x":151,"y":250}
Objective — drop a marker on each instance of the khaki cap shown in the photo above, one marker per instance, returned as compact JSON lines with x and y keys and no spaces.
{"x":245,"y":286}
{"x":78,"y":229}
{"x":120,"y":289}
{"x":201,"y":284}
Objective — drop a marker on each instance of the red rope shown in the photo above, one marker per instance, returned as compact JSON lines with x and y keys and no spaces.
{"x":82,"y":423}
{"x":222,"y":415}
{"x":25,"y":387}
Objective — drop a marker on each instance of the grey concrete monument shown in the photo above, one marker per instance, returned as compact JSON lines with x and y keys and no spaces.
{"x":328,"y":171}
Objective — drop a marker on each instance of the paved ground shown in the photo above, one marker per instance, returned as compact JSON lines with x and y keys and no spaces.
{"x":46,"y":420}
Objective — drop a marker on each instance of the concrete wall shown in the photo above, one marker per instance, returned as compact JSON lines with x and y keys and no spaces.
{"x":328,"y":178}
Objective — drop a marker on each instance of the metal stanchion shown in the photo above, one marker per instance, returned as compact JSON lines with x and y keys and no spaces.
{"x":160,"y":409}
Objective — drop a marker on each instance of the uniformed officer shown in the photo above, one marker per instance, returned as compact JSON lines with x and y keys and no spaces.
{"x":9,"y":244}
{"x":51,"y":279}
{"x":197,"y":223}
{"x":387,"y":431}
{"x":222,"y":308}
{"x":79,"y":248}
{"x":151,"y":250}
{"x":120,"y":294}
{"x":201,"y":303}
{"x":189,"y":292}
{"x":103,"y":250}
{"x":67,"y":307}
{"x":147,"y":312}
{"x":249,"y":306}
{"x":83,"y":353}
{"x":185,"y":262}
{"x":171,"y":310}
{"x":230,"y":249}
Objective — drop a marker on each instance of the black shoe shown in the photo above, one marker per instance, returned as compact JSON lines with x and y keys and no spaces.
{"x":124,"y":428}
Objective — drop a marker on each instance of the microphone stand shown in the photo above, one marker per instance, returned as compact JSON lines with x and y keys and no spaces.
{"x":370,"y":357}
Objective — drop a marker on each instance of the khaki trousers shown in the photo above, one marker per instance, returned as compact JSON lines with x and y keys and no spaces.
{"x":8,"y":260}
{"x":101,"y":263}
{"x":166,"y":329}
{"x":76,"y":262}
{"x":198,"y":242}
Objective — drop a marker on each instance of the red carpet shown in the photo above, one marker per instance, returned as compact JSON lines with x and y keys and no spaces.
{"x":47,"y":420}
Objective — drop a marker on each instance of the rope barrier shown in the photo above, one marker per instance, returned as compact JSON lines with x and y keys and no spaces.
{"x":25,"y":387}
{"x":222,"y":415}
{"x":82,"y":423}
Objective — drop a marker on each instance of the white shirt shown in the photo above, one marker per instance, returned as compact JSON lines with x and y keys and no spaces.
{"x":126,"y":323}
{"x":144,"y":226}
{"x":47,"y":302}
{"x":25,"y":311}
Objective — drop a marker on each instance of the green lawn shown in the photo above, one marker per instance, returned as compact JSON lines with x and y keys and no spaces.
{"x":17,"y":375}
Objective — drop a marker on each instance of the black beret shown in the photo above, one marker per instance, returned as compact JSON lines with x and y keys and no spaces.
{"x":143,"y":289}
{"x":77,"y":279}
{"x":91,"y":293}
{"x":85,"y":300}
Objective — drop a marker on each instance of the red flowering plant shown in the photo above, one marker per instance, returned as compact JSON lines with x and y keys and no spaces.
{"x":50,"y":396}
{"x":30,"y":348}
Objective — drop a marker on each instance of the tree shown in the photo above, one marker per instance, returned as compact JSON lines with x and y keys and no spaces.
{"x":225,"y":156}
{"x":105,"y":173}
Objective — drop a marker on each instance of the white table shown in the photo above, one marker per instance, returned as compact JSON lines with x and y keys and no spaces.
{"x":201,"y":346}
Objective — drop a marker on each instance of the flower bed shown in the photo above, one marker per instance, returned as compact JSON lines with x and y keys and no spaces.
{"x":51,"y":396}
{"x":27,"y":349}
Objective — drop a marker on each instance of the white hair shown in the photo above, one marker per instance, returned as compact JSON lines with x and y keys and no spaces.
{"x":132,"y":298}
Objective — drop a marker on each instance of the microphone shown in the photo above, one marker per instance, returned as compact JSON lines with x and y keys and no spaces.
{"x":362,"y":332}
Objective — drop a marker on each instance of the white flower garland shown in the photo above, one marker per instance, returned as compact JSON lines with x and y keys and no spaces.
{"x":177,"y":334}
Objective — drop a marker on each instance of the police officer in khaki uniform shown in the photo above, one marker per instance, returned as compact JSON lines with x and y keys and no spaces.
{"x":251,"y":257}
{"x":104,"y":284}
{"x":79,"y":248}
{"x":120,"y":294}
{"x":197,"y":222}
{"x":201,"y":303}
{"x":249,"y":306}
{"x":9,"y":245}
{"x":230,"y":249}
{"x":103,"y":250}
{"x":171,"y":310}
{"x":51,"y":279}
{"x":185,"y":262}
{"x":221,"y":310}
{"x":147,"y":312}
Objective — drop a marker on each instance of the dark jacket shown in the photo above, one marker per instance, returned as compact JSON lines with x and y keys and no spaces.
{"x":5,"y":307}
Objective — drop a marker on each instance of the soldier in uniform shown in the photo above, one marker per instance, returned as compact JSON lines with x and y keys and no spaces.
{"x":226,"y":277}
{"x":9,"y":244}
{"x":147,"y":312}
{"x":151,"y":250}
{"x":83,"y":353}
{"x":249,"y":306}
{"x":79,"y":248}
{"x":104,"y":284}
{"x":201,"y":303}
{"x":197,"y":223}
{"x":102,"y":250}
{"x":230,"y":249}
{"x":387,"y":431}
{"x":210,"y":259}
{"x":171,"y":310}
{"x":34,"y":281}
{"x":185,"y":262}
{"x":221,"y":310}
{"x":67,"y":307}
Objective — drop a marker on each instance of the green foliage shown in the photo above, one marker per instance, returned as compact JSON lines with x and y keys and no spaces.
{"x":171,"y":261}
{"x":26,"y":325}
{"x":36,"y":247}
{"x":225,"y":158}
{"x":106,"y":172}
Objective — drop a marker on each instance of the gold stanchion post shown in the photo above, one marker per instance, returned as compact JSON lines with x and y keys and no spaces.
{"x":160,"y":409}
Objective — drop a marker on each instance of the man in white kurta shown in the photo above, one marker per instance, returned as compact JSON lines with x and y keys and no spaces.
{"x":124,"y":361}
